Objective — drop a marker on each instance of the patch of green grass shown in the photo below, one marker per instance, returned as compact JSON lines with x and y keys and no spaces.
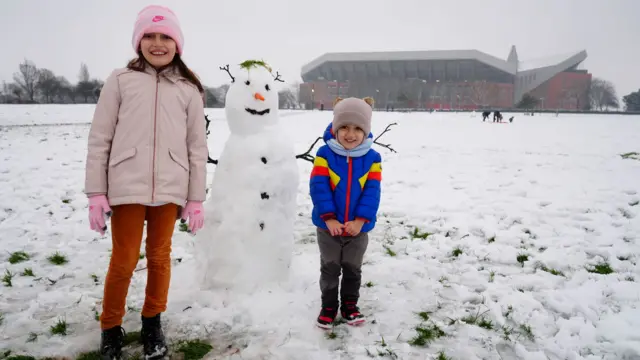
{"x":142,"y":255}
{"x":506,"y":332}
{"x":522,"y":258}
{"x":486,"y":324}
{"x":389,"y":251}
{"x":602,"y":268}
{"x":18,"y":257}
{"x":492,"y":239}
{"x":417,"y":234}
{"x":492,"y":276}
{"x":442,"y":356}
{"x":95,"y":279}
{"x":194,"y":349}
{"x":28,"y":272}
{"x":7,"y":278}
{"x":630,"y":155}
{"x":1,"y":318}
{"x":456,"y":252}
{"x":96,"y":314}
{"x":426,"y":334}
{"x":20,"y":357}
{"x":331,"y":335}
{"x":443,"y":279}
{"x":60,"y":328}
{"x":369,"y":284}
{"x":550,"y":271}
{"x":93,"y":355}
{"x":66,"y":201}
{"x":184,"y":227}
{"x":527,"y":332}
{"x":132,"y":337}
{"x":424,"y":315}
{"x":58,"y":259}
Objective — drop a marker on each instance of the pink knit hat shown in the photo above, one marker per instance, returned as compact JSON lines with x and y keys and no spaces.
{"x":157,"y":19}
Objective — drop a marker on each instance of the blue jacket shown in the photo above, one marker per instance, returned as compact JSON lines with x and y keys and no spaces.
{"x":345,"y":188}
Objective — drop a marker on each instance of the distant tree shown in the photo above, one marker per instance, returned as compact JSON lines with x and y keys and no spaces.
{"x":48,"y":84}
{"x":17,"y":91}
{"x":211,"y":100}
{"x":602,"y":94}
{"x":528,"y":101}
{"x":65,"y":91}
{"x":632,"y":101}
{"x":84,"y":76}
{"x":220,"y":93}
{"x":287,"y":99}
{"x":27,"y":79}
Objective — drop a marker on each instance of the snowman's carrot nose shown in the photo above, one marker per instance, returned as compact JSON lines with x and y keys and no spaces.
{"x":258,"y":96}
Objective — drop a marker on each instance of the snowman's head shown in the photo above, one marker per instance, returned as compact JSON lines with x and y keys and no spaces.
{"x":252,"y":100}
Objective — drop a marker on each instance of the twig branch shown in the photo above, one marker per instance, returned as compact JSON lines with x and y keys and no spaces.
{"x":226,"y":68}
{"x":277,"y":78}
{"x":307,"y":155}
{"x":388,"y":146}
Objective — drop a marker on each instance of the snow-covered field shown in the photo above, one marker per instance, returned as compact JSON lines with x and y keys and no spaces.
{"x":487,"y":241}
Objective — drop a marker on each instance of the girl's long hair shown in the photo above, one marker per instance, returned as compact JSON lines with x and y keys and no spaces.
{"x":140,"y":64}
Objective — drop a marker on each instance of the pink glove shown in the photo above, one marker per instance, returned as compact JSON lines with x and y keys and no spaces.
{"x":195,"y":213}
{"x":98,"y":208}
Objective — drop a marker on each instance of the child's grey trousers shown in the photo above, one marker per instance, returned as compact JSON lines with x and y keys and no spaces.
{"x":340,"y":253}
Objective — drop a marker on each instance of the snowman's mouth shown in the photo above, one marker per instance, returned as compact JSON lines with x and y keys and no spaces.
{"x":256,"y":112}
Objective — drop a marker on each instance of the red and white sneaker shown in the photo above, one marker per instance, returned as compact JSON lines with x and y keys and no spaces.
{"x":351,"y":313}
{"x":327,"y":317}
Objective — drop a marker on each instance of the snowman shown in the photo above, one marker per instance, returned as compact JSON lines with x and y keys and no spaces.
{"x":247,"y":239}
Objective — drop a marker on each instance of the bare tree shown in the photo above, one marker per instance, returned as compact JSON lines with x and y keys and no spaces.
{"x":27,"y":79}
{"x":17,"y":91}
{"x":602,"y":95}
{"x":48,"y":84}
{"x":287,"y":99}
{"x":65,"y":91}
{"x":84,"y":76}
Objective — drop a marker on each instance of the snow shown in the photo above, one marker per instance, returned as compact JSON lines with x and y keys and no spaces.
{"x":553,"y":188}
{"x":247,"y":241}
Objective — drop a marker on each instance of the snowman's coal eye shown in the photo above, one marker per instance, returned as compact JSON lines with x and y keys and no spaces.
{"x":248,"y":82}
{"x":266,"y":87}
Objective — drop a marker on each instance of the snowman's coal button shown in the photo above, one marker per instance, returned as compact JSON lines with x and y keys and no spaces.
{"x":264,"y":160}
{"x":261,"y":226}
{"x":264,"y":196}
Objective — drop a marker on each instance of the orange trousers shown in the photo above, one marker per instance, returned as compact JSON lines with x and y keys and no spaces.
{"x":127,"y":224}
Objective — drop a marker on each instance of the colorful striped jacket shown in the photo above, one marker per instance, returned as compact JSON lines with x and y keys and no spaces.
{"x":345,"y":189}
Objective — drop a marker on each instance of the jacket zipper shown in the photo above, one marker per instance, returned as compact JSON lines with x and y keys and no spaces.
{"x":346,"y":211}
{"x":155,"y":118}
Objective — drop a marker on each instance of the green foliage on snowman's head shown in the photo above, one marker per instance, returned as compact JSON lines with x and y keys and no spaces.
{"x":249,"y":64}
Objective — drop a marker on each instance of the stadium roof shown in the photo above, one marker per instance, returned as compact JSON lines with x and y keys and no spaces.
{"x":511,"y":66}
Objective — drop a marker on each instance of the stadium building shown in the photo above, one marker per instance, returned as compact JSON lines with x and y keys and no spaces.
{"x":446,"y":79}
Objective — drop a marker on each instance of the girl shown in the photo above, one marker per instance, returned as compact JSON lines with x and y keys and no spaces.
{"x":146,"y":158}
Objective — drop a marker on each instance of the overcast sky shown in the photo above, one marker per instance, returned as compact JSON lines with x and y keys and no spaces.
{"x":60,"y":34}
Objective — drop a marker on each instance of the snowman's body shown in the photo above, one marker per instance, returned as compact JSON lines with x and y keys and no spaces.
{"x":247,"y":241}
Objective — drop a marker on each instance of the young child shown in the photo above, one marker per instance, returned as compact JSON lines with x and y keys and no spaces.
{"x":345,"y":190}
{"x":147,"y":156}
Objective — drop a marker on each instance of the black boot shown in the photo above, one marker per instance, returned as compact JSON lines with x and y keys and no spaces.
{"x":351,"y":313}
{"x":152,"y":337}
{"x":327,"y":316}
{"x":111,"y":343}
